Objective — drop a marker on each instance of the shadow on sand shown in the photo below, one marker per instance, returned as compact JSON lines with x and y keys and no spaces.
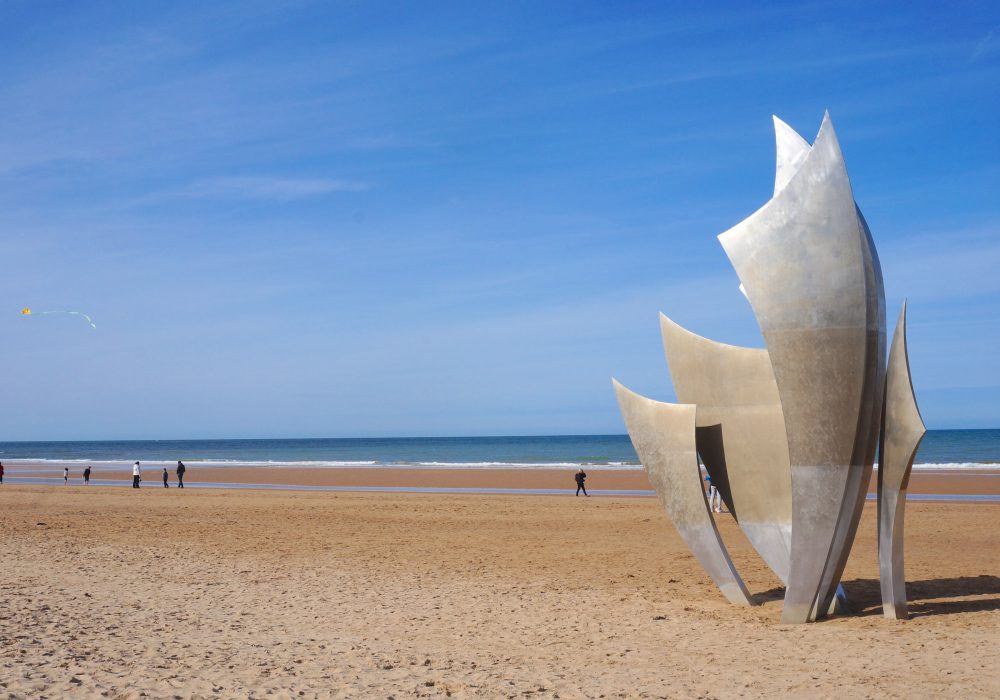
{"x":941,"y":596}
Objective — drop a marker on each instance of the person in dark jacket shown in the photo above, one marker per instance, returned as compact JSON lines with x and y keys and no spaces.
{"x":86,"y":475}
{"x":180,"y":474}
{"x":1,"y":472}
{"x":166,"y":477}
{"x":580,"y":477}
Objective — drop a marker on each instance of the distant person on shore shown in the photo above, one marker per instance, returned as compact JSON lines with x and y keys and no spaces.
{"x":65,"y":475}
{"x":180,"y":474}
{"x":166,"y":477}
{"x":1,"y":472}
{"x":581,"y":476}
{"x":136,"y":475}
{"x":86,"y":475}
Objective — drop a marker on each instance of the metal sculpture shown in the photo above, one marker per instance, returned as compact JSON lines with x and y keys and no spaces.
{"x":663,"y":435}
{"x":740,"y":434}
{"x":902,"y":432}
{"x":789,"y":432}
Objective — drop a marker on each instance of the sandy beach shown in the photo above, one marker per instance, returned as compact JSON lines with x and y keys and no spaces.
{"x":109,"y":592}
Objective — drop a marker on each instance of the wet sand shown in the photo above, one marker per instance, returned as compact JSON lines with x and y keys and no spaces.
{"x":217,"y":593}
{"x":948,"y":482}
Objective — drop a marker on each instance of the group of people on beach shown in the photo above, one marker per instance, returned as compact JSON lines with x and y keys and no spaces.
{"x":136,"y":475}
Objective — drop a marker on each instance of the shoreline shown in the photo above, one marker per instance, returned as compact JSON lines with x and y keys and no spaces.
{"x":604,"y":482}
{"x":472,"y":491}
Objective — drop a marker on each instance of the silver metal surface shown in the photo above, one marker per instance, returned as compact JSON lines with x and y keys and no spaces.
{"x":664,"y":438}
{"x":868,"y":431}
{"x":790,"y":152}
{"x":902,"y":431}
{"x":789,"y":432}
{"x":806,"y":265}
{"x":740,"y":432}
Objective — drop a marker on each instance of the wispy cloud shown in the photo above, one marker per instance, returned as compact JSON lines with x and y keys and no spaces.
{"x":989,"y":44}
{"x":742,"y":67}
{"x":271,"y":188}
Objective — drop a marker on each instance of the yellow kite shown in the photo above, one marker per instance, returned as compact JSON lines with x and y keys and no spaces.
{"x":28,"y":312}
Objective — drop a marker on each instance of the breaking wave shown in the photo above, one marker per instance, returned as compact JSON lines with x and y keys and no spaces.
{"x":48,"y":463}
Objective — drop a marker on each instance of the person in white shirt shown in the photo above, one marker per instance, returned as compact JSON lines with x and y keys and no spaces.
{"x":65,"y":475}
{"x":136,"y":472}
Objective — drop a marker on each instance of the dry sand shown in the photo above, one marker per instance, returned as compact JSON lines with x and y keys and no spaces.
{"x":110,"y":592}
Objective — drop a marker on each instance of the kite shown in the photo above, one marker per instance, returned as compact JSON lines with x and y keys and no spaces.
{"x":28,"y":312}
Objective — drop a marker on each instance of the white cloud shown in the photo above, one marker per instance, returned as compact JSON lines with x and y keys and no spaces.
{"x":280,"y":188}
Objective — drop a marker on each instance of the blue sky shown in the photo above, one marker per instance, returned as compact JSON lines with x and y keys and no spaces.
{"x":357,"y":219}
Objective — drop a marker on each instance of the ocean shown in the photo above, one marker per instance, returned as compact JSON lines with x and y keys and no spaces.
{"x":940,"y":449}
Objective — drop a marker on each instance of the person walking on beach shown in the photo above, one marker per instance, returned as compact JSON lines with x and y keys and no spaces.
{"x":713,"y":495}
{"x":166,"y":476}
{"x":136,"y":475}
{"x":580,"y":477}
{"x":65,"y":476}
{"x":1,"y":472}
{"x":86,"y":476}
{"x":180,"y":474}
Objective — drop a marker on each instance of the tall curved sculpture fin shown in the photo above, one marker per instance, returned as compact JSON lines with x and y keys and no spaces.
{"x":902,"y":431}
{"x":664,"y":438}
{"x":869,"y":424}
{"x":740,"y":433}
{"x":791,"y":150}
{"x":801,"y":259}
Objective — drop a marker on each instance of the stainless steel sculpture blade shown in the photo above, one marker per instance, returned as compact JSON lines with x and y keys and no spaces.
{"x":902,"y":431}
{"x":868,"y":428}
{"x":664,"y":438}
{"x":790,"y":152}
{"x":740,"y":431}
{"x":802,"y":260}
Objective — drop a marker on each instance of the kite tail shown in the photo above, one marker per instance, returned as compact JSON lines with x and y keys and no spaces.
{"x":73,"y":313}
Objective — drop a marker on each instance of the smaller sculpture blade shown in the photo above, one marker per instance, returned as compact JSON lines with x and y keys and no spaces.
{"x":664,"y":438}
{"x":902,"y":431}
